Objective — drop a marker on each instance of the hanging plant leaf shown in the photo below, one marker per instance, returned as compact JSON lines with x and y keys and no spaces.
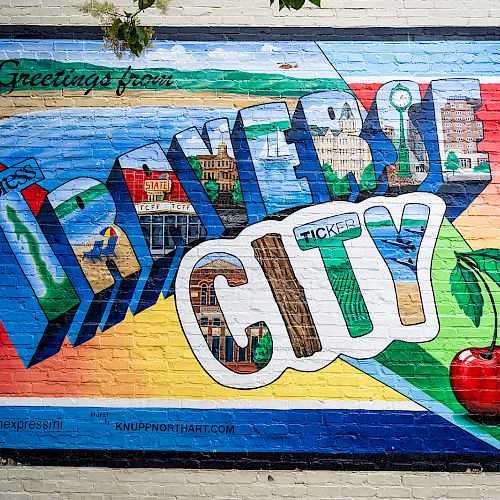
{"x":133,"y":37}
{"x":136,"y":49}
{"x":295,"y":4}
{"x":114,"y":27}
{"x":487,"y":260}
{"x":467,"y":292}
{"x":122,"y":30}
{"x":141,"y":33}
{"x":145,"y":4}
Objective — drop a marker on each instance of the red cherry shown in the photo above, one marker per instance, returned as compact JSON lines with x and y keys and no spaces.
{"x":475,"y":380}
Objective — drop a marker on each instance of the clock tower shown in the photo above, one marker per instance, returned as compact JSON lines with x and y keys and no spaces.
{"x":400,"y":99}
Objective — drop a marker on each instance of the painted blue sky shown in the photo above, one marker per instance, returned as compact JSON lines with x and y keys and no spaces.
{"x":259,"y":57}
{"x":413,"y":211}
{"x":215,"y":256}
{"x":364,"y":60}
{"x":353,"y":60}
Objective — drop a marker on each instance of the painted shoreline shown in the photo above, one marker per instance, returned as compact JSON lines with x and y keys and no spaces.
{"x":20,"y":102}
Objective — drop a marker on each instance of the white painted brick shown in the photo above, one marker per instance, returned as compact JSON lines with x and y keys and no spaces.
{"x":180,"y":490}
{"x":393,"y":492}
{"x":87,"y":496}
{"x":10,"y":486}
{"x":324,"y":490}
{"x":359,"y":491}
{"x":146,"y":488}
{"x":420,"y":480}
{"x":207,"y":476}
{"x":238,"y":12}
{"x":16,"y":496}
{"x":288,"y":490}
{"x":465,"y":492}
{"x":425,"y":492}
{"x":103,"y":483}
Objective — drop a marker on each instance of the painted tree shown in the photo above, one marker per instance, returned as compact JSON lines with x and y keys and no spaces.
{"x":451,"y":162}
{"x":237,"y":194}
{"x":367,"y":181}
{"x":196,"y":166}
{"x":212,"y":189}
{"x":336,"y":187}
{"x":484,"y":166}
{"x":264,"y":350}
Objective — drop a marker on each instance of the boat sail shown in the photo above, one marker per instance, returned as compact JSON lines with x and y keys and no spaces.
{"x":276,"y":150}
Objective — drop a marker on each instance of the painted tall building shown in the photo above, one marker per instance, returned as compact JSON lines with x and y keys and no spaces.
{"x":345,"y":152}
{"x":221,"y":168}
{"x":462,"y":131}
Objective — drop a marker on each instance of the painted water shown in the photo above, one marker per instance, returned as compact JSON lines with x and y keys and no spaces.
{"x":69,"y":143}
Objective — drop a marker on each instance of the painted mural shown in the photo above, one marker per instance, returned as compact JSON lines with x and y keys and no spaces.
{"x":250,"y":247}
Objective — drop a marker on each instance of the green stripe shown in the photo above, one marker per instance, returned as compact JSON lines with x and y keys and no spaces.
{"x":70,"y":205}
{"x":404,"y":222}
{"x":206,"y":80}
{"x":419,"y":368}
{"x":254,"y":131}
{"x":426,"y":365}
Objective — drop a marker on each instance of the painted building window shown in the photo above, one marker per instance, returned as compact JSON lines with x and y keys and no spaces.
{"x":255,"y":341}
{"x":213,"y":299}
{"x":216,"y":347}
{"x":157,"y":233}
{"x":203,"y":301}
{"x":229,"y":348}
{"x":242,"y":354}
{"x":159,"y":230}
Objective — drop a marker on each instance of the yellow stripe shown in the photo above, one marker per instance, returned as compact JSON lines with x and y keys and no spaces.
{"x":168,"y":369}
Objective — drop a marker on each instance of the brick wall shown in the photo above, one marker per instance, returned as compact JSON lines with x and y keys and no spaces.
{"x":334,"y":13}
{"x":26,"y":483}
{"x":144,"y":380}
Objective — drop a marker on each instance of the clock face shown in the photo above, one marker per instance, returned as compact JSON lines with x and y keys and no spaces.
{"x":400,"y":98}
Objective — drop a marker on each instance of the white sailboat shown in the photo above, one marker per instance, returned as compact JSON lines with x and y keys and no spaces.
{"x":278,"y":151}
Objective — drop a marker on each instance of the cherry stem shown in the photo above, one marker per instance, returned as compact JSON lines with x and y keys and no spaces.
{"x":475,"y":269}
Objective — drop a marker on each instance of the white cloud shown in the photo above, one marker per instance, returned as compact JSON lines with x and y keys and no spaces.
{"x":177,"y":53}
{"x":225,"y":54}
{"x":322,"y":108}
{"x":193,"y":141}
{"x":268,"y":47}
{"x":223,"y":128}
